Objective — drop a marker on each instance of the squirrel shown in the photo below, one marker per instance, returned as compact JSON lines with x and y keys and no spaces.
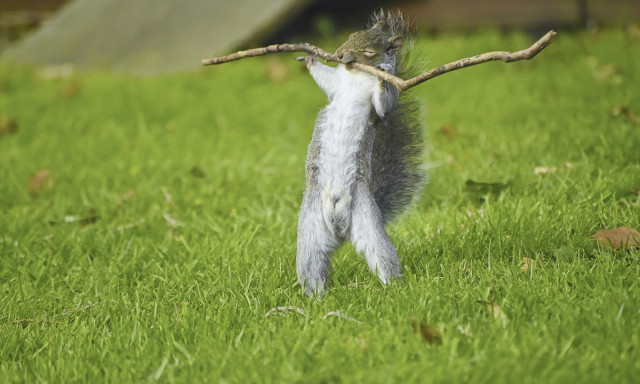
{"x":363,"y":164}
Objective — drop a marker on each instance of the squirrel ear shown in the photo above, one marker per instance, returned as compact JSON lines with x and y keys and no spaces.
{"x":380,"y":24}
{"x":395,"y":43}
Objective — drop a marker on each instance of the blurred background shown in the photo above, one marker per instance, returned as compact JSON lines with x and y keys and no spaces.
{"x":148,"y":37}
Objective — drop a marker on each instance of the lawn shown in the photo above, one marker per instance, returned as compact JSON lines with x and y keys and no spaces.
{"x":162,"y":228}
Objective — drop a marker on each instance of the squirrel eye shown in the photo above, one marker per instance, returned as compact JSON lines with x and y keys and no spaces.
{"x":369,"y":52}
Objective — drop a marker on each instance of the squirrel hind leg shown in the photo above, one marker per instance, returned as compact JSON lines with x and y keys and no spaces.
{"x":370,"y":239}
{"x":314,"y":247}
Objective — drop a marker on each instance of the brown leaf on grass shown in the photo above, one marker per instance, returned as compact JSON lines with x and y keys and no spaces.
{"x":91,"y":219}
{"x":428,"y":332}
{"x":622,"y":237}
{"x":8,"y":126}
{"x":625,"y":111}
{"x":40,"y":182}
{"x":634,"y":117}
{"x":127,"y":195}
{"x":605,"y":72}
{"x":277,"y":70}
{"x":70,"y":89}
{"x":528,"y":264}
{"x":498,"y":314}
{"x":449,"y":131}
{"x":198,"y":172}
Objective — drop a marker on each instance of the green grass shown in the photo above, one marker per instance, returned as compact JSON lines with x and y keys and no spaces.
{"x":222,"y":152}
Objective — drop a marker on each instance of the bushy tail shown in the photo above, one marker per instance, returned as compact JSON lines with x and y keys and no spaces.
{"x":397,"y":171}
{"x":397,"y":161}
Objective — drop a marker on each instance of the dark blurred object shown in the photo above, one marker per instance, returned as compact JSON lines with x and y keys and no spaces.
{"x":522,"y":14}
{"x":19,"y":16}
{"x":464,"y":15}
{"x":159,"y":36}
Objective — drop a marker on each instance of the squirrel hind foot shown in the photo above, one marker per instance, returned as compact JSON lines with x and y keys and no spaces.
{"x":336,"y":209}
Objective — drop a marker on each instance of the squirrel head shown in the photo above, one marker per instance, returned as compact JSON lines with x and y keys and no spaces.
{"x":372,"y":46}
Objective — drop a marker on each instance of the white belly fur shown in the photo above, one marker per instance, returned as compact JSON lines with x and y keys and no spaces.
{"x":347,"y":118}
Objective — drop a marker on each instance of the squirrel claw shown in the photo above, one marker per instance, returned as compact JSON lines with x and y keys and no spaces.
{"x":310,"y":59}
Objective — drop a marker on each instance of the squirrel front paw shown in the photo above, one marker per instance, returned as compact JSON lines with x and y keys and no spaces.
{"x":385,"y":67}
{"x":310,"y":59}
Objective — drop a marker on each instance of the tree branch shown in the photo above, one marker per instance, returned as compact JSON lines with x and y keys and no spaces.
{"x":275,"y":48}
{"x":399,"y":83}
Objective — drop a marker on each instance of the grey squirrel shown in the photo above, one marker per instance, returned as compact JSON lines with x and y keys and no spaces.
{"x":364,"y":161}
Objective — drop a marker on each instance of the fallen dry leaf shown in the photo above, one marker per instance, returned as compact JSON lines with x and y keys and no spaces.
{"x":82,"y":221}
{"x":449,"y":131}
{"x":622,"y":237}
{"x":633,"y":31}
{"x":634,"y":117}
{"x":70,"y":89}
{"x":40,"y":182}
{"x":542,"y":170}
{"x":91,"y":219}
{"x":121,"y":228}
{"x":198,"y":172}
{"x":284,"y":310}
{"x":168,"y":199}
{"x":497,"y":312}
{"x":608,"y":72}
{"x":625,"y":111}
{"x":8,"y":126}
{"x":428,"y":332}
{"x":342,"y":316}
{"x":171,"y":221}
{"x":277,"y":71}
{"x":123,"y":199}
{"x":466,"y":330}
{"x":65,"y":313}
{"x":527,"y":264}
{"x":55,"y":72}
{"x":605,"y":72}
{"x":127,"y":195}
{"x":483,"y":188}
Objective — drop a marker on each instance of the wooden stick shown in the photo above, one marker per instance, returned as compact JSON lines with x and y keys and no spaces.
{"x":399,"y":83}
{"x":275,"y":48}
{"x":507,"y":57}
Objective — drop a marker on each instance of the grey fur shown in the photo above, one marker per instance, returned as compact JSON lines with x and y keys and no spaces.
{"x":363,"y":163}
